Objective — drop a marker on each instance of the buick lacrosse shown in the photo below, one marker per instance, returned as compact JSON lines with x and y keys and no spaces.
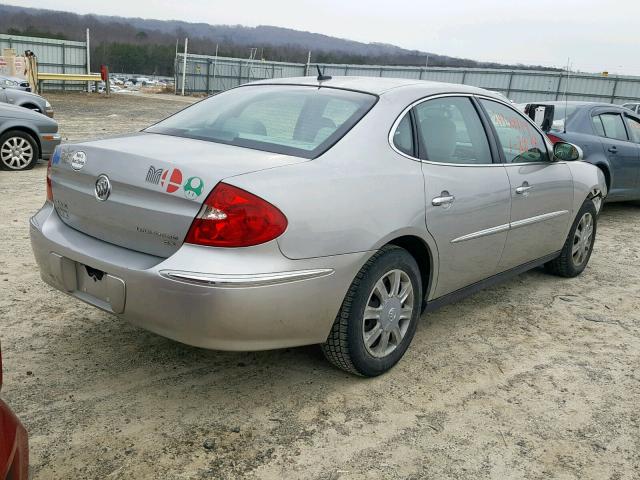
{"x":326,"y":211}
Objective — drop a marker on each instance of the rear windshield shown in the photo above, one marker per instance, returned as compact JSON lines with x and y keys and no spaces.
{"x":292,"y":120}
{"x":561,"y":115}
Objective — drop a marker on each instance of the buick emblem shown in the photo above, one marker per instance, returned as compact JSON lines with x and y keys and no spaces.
{"x":103,"y":188}
{"x":78,"y":160}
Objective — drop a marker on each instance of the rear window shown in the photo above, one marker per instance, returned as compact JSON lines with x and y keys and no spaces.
{"x":561,"y":115}
{"x":292,"y":120}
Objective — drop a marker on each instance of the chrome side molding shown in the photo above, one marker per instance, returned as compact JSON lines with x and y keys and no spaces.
{"x":245,"y":280}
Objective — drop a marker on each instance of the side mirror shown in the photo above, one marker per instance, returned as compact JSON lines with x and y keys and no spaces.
{"x":567,"y":152}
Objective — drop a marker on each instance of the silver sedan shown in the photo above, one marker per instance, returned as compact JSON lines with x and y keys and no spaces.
{"x":25,"y":137}
{"x":314,"y":211}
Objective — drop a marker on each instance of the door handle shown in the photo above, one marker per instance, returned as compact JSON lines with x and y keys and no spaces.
{"x":524,"y":188}
{"x":445,"y":198}
{"x":613,"y":149}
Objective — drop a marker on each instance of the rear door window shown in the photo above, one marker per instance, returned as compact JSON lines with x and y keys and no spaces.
{"x":403,"y":136}
{"x":613,"y":126}
{"x":519,"y":140}
{"x":634,"y":129}
{"x":289,"y":119}
{"x":598,"y":127}
{"x":451,"y":132}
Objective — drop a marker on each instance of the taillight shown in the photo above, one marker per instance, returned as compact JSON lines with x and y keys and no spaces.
{"x":232,"y":217}
{"x":49,"y":190}
{"x":554,"y":139}
{"x":55,"y":158}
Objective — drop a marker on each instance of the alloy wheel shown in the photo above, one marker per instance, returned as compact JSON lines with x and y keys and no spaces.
{"x":387,"y":314}
{"x":582,"y":239}
{"x":16,"y":153}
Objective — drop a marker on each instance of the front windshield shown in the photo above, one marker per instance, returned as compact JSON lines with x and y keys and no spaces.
{"x":295,"y":120}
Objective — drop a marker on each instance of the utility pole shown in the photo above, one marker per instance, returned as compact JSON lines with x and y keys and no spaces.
{"x":88,"y":60}
{"x":184,"y":64}
{"x":306,"y":69}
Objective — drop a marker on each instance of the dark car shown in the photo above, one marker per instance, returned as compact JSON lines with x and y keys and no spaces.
{"x":25,"y":137}
{"x":609,"y":136}
{"x":14,"y":447}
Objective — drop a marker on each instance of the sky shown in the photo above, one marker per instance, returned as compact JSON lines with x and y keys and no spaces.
{"x":593,"y":35}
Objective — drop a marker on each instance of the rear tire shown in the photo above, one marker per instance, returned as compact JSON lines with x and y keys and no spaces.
{"x":18,"y":150}
{"x":577,"y":249}
{"x":379,"y":314}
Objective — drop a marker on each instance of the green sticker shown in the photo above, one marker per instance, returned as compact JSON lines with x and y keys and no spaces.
{"x":193,"y":187}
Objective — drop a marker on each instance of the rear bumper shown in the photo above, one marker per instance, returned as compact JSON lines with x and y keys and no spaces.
{"x":227,"y":299}
{"x":14,"y":447}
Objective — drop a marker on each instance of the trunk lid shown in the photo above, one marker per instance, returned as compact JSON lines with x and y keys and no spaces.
{"x":157,"y":185}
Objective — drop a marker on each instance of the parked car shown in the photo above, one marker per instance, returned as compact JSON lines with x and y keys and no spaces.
{"x":25,"y":136}
{"x":634,"y":107}
{"x":25,"y":99}
{"x":14,"y":443}
{"x":16,"y":83}
{"x":609,"y":136}
{"x":300,"y":211}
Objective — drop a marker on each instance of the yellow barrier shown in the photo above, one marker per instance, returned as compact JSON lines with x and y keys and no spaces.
{"x":68,"y":77}
{"x":71,"y":77}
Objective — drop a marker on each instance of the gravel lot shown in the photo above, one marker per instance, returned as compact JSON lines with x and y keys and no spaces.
{"x":537,"y":378}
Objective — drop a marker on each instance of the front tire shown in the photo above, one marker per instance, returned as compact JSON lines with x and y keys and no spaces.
{"x":379,"y":314}
{"x":18,"y":150}
{"x":577,"y":249}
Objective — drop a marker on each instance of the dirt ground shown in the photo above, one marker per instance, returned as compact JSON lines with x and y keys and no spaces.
{"x":537,"y":378}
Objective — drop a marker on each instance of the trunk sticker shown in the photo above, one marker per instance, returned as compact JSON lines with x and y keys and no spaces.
{"x":153,"y":175}
{"x":171,"y":181}
{"x":193,"y":188}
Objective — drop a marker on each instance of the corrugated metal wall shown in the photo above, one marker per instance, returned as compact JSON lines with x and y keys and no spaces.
{"x":211,"y":74}
{"x":54,"y":56}
{"x":206,"y":74}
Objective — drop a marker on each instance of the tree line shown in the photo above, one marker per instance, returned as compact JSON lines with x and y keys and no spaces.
{"x":125,"y":45}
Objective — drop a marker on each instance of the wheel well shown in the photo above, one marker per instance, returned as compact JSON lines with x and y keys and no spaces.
{"x":31,"y":106}
{"x":30,"y":132}
{"x":420,"y":251}
{"x":607,"y":174}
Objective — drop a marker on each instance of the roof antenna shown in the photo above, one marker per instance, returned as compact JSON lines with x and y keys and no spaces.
{"x":566,"y":102}
{"x":321,"y":76}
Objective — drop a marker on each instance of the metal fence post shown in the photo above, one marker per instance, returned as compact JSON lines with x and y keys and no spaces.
{"x":208,"y":75}
{"x":509,"y":86}
{"x":64,"y":64}
{"x":559,"y":85}
{"x":615,"y":87}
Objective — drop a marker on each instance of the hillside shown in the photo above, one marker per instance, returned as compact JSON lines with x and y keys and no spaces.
{"x":148,"y":46}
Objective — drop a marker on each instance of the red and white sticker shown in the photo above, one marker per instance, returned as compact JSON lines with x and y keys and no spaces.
{"x":171,"y":180}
